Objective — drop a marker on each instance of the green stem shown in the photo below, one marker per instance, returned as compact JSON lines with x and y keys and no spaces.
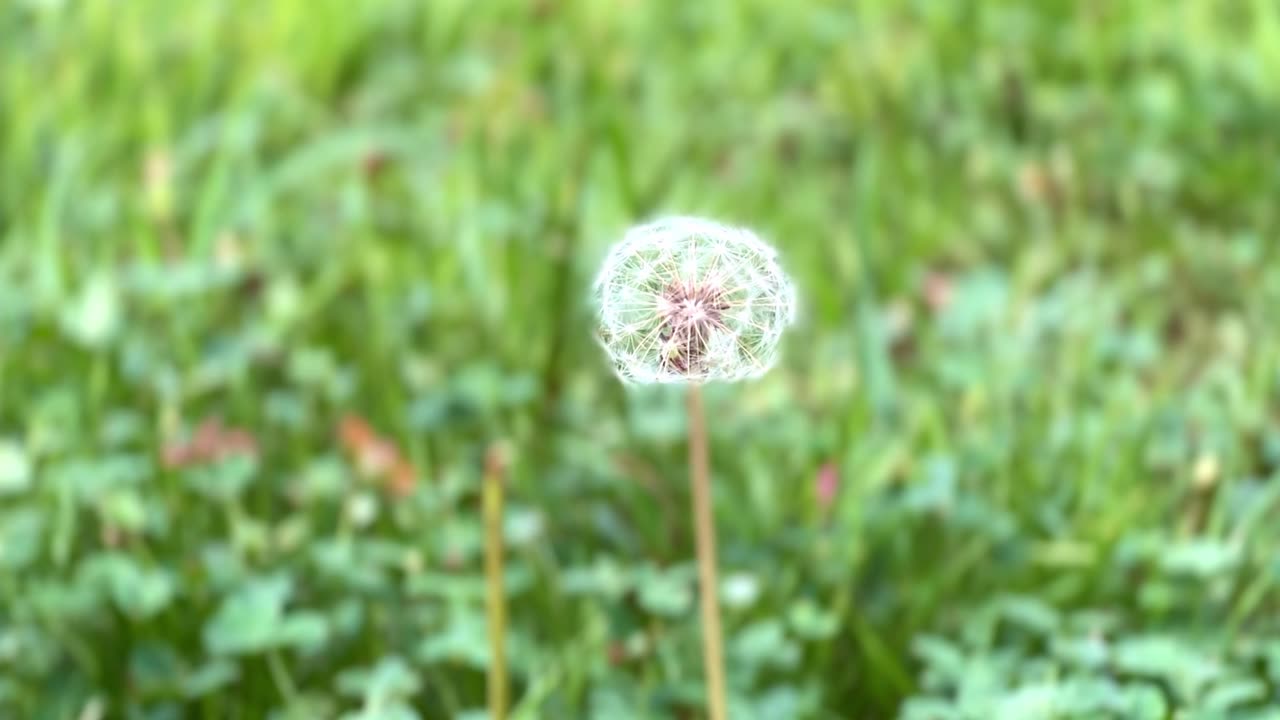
{"x":705,"y":531}
{"x":280,"y":676}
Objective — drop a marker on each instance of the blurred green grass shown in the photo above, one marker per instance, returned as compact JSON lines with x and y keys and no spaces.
{"x":1036,"y":246}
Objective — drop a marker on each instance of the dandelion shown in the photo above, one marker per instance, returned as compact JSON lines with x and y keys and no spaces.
{"x":689,"y":301}
{"x":685,"y":300}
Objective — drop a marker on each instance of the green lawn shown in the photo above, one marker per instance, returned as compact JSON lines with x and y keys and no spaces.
{"x":276,"y":277}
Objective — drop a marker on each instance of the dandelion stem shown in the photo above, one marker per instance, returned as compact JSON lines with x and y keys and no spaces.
{"x":495,"y":594}
{"x":708,"y":581}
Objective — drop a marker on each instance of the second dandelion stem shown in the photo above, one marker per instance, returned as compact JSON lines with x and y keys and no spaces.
{"x":495,"y":592}
{"x":708,"y":579}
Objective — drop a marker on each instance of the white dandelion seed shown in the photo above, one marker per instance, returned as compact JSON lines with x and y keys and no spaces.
{"x":686,"y":300}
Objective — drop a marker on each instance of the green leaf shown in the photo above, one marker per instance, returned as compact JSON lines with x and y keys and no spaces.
{"x":462,"y":640}
{"x":765,"y":644}
{"x":15,"y":468}
{"x":740,"y":590}
{"x":1201,"y":558}
{"x":390,"y":680}
{"x":21,"y":532}
{"x":811,"y":622}
{"x":1030,"y":613}
{"x":1233,"y":692}
{"x":224,"y":480}
{"x":138,"y":591}
{"x":92,"y":479}
{"x":209,"y":678}
{"x":94,"y":316}
{"x":940,"y":656}
{"x":154,"y":668}
{"x":126,"y":509}
{"x":1186,"y":668}
{"x":665,"y":593}
{"x":251,"y":619}
{"x":605,"y":577}
{"x":307,"y":631}
{"x":394,"y":711}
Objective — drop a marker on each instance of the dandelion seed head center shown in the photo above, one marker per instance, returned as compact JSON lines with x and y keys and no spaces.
{"x":688,"y":300}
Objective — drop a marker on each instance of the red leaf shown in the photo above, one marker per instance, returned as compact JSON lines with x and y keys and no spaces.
{"x":209,"y":443}
{"x":939,"y":290}
{"x":827,"y":484}
{"x":376,"y":457}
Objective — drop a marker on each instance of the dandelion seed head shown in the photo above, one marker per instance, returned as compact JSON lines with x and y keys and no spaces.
{"x":686,"y":300}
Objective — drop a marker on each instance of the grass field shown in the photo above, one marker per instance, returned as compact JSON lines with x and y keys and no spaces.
{"x":278,"y":279}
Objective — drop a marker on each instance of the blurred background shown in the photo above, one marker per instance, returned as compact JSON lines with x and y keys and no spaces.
{"x":277,"y":278}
